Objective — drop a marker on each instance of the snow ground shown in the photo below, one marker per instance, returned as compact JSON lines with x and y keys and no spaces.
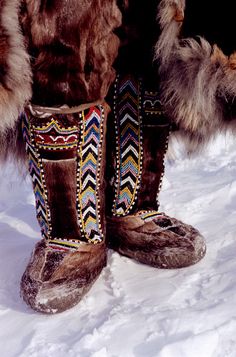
{"x":134,"y":310}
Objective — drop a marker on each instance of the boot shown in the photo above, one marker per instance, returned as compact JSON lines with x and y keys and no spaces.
{"x":66,"y":162}
{"x":136,"y":228}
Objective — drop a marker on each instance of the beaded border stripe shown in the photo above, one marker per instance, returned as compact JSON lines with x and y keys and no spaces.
{"x":88,"y":173}
{"x":129,"y":151}
{"x":38,"y":180}
{"x":148,"y":216}
{"x":61,"y":244}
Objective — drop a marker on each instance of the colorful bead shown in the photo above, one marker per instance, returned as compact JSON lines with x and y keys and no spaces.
{"x":37,"y":175}
{"x":90,"y":154}
{"x":128,"y":144}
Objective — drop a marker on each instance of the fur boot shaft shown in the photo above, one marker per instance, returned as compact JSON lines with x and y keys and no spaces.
{"x":198,"y":80}
{"x":15,"y":72}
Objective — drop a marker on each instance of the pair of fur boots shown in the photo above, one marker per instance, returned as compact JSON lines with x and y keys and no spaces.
{"x":60,"y":64}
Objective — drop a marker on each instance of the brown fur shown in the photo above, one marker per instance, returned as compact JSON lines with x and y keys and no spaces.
{"x":155,"y":136}
{"x":15,"y":79}
{"x":170,"y":28}
{"x":73,"y":46}
{"x":56,"y":281}
{"x":12,"y":146}
{"x":15,"y":74}
{"x":60,"y":179}
{"x":163,"y":242}
{"x":72,"y":61}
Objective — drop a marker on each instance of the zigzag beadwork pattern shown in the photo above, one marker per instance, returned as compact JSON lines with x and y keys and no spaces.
{"x":128,"y":143}
{"x":90,"y":157}
{"x":36,"y":172}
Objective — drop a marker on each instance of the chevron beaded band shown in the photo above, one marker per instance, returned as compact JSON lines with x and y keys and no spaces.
{"x":37,"y":175}
{"x":127,"y":111}
{"x":90,"y":154}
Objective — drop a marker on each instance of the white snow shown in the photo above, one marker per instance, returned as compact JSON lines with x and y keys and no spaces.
{"x":134,"y":310}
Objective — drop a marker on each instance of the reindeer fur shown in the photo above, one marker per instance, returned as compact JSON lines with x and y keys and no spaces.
{"x":68,"y":48}
{"x":71,"y":47}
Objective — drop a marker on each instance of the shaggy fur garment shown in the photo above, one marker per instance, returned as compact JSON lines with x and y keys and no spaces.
{"x":198,"y":80}
{"x":71,"y":46}
{"x":15,"y":73}
{"x":15,"y":78}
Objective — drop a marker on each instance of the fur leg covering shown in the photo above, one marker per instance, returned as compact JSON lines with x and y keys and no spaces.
{"x":198,"y":80}
{"x":136,"y":229}
{"x":15,"y":75}
{"x":66,"y":162}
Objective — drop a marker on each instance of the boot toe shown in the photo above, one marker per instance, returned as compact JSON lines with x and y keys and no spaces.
{"x":56,"y":281}
{"x":157,"y":240}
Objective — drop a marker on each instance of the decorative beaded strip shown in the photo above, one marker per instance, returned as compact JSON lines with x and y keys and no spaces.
{"x":61,"y":244}
{"x":37,"y":174}
{"x":52,"y":137}
{"x":151,"y":103}
{"x":88,"y":175}
{"x":129,"y":152}
{"x":148,"y":216}
{"x":129,"y":104}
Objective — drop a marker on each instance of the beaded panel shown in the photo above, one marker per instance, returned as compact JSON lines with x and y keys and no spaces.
{"x":90,"y":155}
{"x":53,"y":137}
{"x":127,"y":110}
{"x":151,"y":103}
{"x":36,"y":172}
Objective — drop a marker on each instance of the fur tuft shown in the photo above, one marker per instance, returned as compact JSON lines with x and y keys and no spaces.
{"x":13,"y":147}
{"x":15,"y":79}
{"x":198,"y":83}
{"x":170,"y":17}
{"x":15,"y":74}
